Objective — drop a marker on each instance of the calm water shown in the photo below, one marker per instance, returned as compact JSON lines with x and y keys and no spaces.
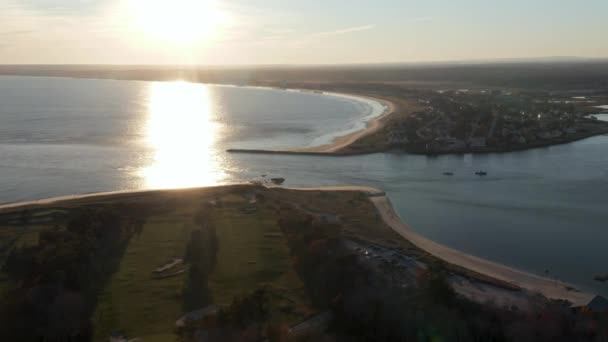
{"x":542,"y":209}
{"x":603,"y":117}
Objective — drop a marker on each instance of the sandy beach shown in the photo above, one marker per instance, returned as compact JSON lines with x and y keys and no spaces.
{"x":550,"y":288}
{"x":372,"y":126}
{"x":340,"y":143}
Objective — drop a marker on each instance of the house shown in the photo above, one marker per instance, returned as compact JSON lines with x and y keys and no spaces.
{"x":477,"y":142}
{"x":549,"y":135}
{"x":397,"y":138}
{"x":450,"y":143}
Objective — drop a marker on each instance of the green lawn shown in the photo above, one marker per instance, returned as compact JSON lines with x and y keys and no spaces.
{"x":29,"y":237}
{"x":252,"y":252}
{"x":132,"y":301}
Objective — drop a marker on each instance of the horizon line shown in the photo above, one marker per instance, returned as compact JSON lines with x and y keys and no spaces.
{"x":514,"y":60}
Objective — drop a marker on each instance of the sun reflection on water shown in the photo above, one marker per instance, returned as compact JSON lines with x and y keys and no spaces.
{"x":181,"y":131}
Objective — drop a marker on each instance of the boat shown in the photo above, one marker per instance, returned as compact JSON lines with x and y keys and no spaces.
{"x":448,"y":173}
{"x":481,"y":173}
{"x":601,"y":277}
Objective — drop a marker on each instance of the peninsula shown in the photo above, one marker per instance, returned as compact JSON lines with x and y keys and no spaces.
{"x":253,"y":262}
{"x":477,"y":120}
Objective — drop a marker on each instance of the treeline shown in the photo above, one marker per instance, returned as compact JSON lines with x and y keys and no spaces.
{"x":201,"y":256}
{"x":55,"y":283}
{"x":549,"y":74}
{"x":368,"y":306}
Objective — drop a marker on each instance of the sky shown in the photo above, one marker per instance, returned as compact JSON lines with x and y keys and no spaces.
{"x":251,"y":32}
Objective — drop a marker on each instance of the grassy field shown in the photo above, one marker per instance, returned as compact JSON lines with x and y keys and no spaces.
{"x":241,"y":261}
{"x":355,"y":212}
{"x":252,"y":253}
{"x":135,"y":303}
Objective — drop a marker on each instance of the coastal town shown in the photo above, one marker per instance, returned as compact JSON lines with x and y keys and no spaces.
{"x":487,"y":121}
{"x":444,"y":120}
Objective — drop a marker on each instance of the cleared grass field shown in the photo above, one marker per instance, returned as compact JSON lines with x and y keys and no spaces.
{"x":132,"y":301}
{"x":246,"y":255}
{"x":252,"y":254}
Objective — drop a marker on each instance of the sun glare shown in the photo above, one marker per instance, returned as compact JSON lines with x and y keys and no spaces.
{"x":181,"y":132}
{"x":178,"y":21}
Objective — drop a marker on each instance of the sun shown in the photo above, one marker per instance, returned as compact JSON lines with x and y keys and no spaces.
{"x":177,"y":21}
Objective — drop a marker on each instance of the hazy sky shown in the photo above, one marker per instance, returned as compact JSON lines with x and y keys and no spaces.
{"x":297,"y":32}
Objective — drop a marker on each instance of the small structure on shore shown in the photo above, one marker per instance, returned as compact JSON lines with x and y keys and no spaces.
{"x":173,"y":267}
{"x":278,"y":180}
{"x":172,"y":263}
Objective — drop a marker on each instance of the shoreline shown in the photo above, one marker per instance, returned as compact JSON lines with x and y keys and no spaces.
{"x":371,"y":126}
{"x":338,"y":147}
{"x":312,"y":152}
{"x":549,"y":288}
{"x":538,"y":145}
{"x":488,"y":150}
{"x":338,"y":142}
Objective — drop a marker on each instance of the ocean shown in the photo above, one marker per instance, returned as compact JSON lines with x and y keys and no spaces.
{"x":541,"y":210}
